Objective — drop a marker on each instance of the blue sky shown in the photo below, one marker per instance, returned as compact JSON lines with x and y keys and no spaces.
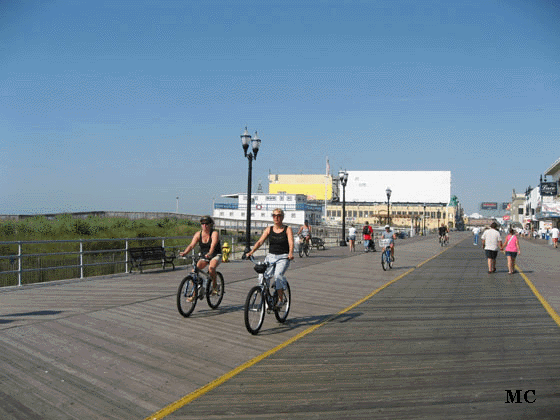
{"x":125,"y":105}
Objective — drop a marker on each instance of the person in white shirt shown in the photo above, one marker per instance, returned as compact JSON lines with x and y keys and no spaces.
{"x":476,"y":233}
{"x":352,"y":238}
{"x":555,"y":233}
{"x":492,"y":243}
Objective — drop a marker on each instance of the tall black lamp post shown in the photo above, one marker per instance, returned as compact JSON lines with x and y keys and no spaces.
{"x":343,"y":176}
{"x":255,"y":144}
{"x":388,"y":192}
{"x":424,"y":221}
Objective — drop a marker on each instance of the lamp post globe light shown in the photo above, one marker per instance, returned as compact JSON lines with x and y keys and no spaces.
{"x":343,"y":177}
{"x":255,"y":145}
{"x":388,"y":192}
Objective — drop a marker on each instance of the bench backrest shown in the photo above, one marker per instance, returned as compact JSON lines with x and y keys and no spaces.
{"x":146,"y":253}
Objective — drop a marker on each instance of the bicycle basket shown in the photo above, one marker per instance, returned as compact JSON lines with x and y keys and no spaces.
{"x":260,"y":268}
{"x":384,"y":243}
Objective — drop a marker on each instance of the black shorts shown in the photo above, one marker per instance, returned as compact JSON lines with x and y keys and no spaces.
{"x":491,"y":254}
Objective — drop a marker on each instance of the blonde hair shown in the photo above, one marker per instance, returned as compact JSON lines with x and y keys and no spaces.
{"x":278,"y":210}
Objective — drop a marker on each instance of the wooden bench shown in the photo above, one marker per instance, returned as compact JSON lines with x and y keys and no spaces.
{"x":317,"y":243}
{"x":149,"y":255}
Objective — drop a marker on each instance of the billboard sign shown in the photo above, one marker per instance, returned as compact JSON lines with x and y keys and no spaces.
{"x":489,"y":206}
{"x":406,"y":186}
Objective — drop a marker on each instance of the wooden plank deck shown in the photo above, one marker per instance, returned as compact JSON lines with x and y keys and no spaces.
{"x":445,"y":341}
{"x":116,"y":348}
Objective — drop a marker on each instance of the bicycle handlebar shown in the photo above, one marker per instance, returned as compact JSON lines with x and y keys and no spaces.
{"x":252,"y":259}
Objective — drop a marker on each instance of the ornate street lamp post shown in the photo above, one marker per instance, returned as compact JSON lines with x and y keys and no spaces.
{"x":255,"y":144}
{"x":388,"y":192}
{"x":343,"y":177}
{"x":424,"y":221}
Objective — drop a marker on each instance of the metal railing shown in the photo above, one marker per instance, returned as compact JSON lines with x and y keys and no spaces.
{"x":29,"y":262}
{"x":19,"y":263}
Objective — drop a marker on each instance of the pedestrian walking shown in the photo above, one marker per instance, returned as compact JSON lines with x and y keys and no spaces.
{"x":367,"y":233}
{"x":513,"y":250}
{"x":555,"y":233}
{"x":492,"y":243}
{"x":352,"y":238}
{"x":476,"y":233}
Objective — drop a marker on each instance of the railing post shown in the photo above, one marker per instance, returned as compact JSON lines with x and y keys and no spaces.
{"x":20,"y":265}
{"x":126,"y":255}
{"x":81,"y":259}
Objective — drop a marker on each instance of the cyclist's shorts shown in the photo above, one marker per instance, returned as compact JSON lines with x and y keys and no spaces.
{"x":217,"y":258}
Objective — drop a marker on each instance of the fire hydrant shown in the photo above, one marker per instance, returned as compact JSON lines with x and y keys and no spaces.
{"x":226,"y":250}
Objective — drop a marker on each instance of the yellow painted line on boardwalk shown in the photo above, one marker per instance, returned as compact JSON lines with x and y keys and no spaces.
{"x":217,"y":382}
{"x":541,"y":299}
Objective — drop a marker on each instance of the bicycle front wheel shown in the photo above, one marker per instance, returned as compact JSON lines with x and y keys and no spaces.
{"x":306,"y":250}
{"x":214,"y":296}
{"x":281,"y":311}
{"x":390,"y":259}
{"x":187,"y":296}
{"x":254,"y":310}
{"x":384,"y":261}
{"x":300,"y":250}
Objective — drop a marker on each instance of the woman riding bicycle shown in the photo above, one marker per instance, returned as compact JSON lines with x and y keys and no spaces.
{"x":210,"y":248}
{"x":305,"y":232}
{"x":280,"y":251}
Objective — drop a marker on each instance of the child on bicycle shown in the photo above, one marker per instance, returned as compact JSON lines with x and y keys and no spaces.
{"x":280,"y":250}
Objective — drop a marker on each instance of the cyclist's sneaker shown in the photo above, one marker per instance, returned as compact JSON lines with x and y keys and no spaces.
{"x":190,"y":298}
{"x":279,"y":304}
{"x":215,"y":291}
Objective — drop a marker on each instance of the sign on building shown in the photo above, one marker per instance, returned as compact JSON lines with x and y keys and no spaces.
{"x":549,"y":189}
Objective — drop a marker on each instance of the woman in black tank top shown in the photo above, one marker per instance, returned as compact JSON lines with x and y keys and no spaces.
{"x":210,"y":247}
{"x":281,"y":249}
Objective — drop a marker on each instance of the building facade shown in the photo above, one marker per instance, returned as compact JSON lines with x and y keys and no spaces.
{"x":296,"y":208}
{"x":548,"y":213}
{"x":414,"y":216}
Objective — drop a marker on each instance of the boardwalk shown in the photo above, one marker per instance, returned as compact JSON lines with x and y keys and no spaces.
{"x":445,"y":340}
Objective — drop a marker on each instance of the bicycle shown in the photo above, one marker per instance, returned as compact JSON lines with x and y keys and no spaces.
{"x":303,"y":247}
{"x":386,"y":260}
{"x":261,"y":299}
{"x":198,"y":285}
{"x":443,"y":240}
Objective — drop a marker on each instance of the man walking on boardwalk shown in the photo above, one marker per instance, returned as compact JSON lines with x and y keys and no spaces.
{"x":476,"y":232}
{"x":555,"y":233}
{"x":492,"y":243}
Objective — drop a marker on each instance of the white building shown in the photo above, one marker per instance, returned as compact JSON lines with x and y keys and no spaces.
{"x":295,"y":206}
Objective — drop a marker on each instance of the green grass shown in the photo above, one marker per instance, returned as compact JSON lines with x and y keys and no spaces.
{"x":111,"y":230}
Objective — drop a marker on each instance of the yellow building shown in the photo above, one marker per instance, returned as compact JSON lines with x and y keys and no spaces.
{"x":315,"y":187}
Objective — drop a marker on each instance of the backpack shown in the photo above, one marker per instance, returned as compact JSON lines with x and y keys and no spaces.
{"x":365,"y":231}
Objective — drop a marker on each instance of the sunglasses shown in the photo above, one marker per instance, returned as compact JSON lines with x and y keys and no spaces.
{"x":277,"y":215}
{"x":204,"y":223}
